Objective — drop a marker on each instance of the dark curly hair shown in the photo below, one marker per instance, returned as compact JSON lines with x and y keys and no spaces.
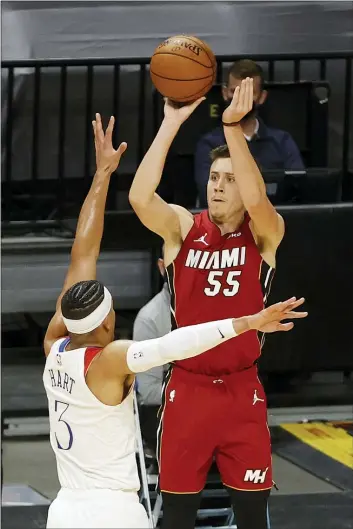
{"x":81,"y":299}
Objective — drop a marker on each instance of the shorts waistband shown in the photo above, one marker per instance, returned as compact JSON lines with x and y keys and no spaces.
{"x":200,"y":378}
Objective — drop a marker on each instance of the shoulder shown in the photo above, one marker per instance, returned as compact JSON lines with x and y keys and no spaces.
{"x":200,"y":217}
{"x":213,"y":139}
{"x":111,"y":353}
{"x":111,"y":363}
{"x":267,"y":246}
{"x":278,"y":134}
{"x":181,"y":211}
{"x":186,"y":219}
{"x":56,"y":331}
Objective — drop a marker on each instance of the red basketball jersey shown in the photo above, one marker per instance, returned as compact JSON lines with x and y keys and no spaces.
{"x":214,"y":277}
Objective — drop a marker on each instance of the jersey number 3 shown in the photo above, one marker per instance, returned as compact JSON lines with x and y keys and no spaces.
{"x":63,"y":408}
{"x":214,"y":280}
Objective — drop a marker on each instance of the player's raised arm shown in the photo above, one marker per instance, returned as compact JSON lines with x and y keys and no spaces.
{"x":154,"y":212}
{"x":186,"y":342}
{"x":89,"y":232}
{"x":268,"y":225}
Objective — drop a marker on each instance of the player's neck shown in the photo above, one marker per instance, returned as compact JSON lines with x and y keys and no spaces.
{"x":88,"y":340}
{"x":229,"y":225}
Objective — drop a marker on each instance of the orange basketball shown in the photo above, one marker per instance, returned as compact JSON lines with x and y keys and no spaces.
{"x":183,"y":68}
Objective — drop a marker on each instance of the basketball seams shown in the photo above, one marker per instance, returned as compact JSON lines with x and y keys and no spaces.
{"x":182,"y":80}
{"x":177,"y":88}
{"x":187,"y":98}
{"x":183,"y":57}
{"x":193,"y":96}
{"x":201,"y":44}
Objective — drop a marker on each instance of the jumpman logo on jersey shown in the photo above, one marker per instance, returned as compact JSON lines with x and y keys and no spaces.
{"x":256,"y":398}
{"x":202,"y":239}
{"x":220,"y":332}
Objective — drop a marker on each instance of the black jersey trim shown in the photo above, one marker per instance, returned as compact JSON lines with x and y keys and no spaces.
{"x":160,"y":414}
{"x":170,"y":271}
{"x":266,"y":277}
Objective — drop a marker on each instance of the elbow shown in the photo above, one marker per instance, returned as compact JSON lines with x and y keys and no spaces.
{"x":140,"y":201}
{"x":137,"y":201}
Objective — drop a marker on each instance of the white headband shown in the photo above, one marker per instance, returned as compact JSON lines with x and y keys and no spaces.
{"x":93,"y":320}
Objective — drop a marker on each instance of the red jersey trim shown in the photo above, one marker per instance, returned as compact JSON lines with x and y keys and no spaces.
{"x":90,"y":355}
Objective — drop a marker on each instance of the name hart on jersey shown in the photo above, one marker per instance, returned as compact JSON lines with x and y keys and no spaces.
{"x":61,"y":380}
{"x":219,"y":259}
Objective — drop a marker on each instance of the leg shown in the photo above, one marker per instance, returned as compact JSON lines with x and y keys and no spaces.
{"x":185,"y":443}
{"x":250,"y":508}
{"x":244,"y":454}
{"x":149,"y":424}
{"x":179,"y":510}
{"x":185,"y":449}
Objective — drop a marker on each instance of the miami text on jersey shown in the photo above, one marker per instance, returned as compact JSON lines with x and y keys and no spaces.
{"x":219,"y":259}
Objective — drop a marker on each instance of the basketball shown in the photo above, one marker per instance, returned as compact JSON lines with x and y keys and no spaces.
{"x":183,"y":68}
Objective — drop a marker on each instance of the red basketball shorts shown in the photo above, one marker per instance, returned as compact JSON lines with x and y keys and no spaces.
{"x":206,"y":418}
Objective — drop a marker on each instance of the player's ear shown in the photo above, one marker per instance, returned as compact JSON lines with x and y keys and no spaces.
{"x":107,"y":324}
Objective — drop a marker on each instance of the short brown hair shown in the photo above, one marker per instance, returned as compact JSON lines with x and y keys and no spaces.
{"x":220,"y":152}
{"x":246,"y":68}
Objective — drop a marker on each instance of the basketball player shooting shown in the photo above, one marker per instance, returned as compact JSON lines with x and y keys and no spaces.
{"x":89,"y":377}
{"x":219,"y":263}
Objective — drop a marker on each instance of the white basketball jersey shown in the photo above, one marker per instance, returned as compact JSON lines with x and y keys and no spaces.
{"x":94,"y":444}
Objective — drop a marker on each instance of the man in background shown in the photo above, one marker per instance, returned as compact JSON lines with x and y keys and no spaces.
{"x":152,"y":321}
{"x":271,"y":148}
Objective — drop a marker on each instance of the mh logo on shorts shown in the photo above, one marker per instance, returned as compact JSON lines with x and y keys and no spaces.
{"x":255,"y":476}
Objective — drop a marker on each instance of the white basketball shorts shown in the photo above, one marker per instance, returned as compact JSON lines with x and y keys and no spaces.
{"x":96,"y":508}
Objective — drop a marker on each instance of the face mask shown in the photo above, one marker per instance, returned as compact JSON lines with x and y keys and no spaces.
{"x":253,"y":112}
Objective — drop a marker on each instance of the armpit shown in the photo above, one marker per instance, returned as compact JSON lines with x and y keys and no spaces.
{"x":186,"y":219}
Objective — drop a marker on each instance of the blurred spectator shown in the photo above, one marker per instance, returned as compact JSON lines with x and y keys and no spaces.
{"x":152,"y":321}
{"x":271,"y":148}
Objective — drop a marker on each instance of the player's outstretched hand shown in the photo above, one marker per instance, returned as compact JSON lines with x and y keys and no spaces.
{"x":269,"y":319}
{"x":242,"y":102}
{"x":107,"y":158}
{"x":177,"y":113}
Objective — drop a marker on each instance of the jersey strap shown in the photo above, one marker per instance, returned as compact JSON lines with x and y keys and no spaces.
{"x":63,"y":344}
{"x":90,"y":355}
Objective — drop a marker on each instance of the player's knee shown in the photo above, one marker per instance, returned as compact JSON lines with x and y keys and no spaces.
{"x":187,"y":500}
{"x":179,"y":510}
{"x":250,"y":508}
{"x":259,"y":497}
